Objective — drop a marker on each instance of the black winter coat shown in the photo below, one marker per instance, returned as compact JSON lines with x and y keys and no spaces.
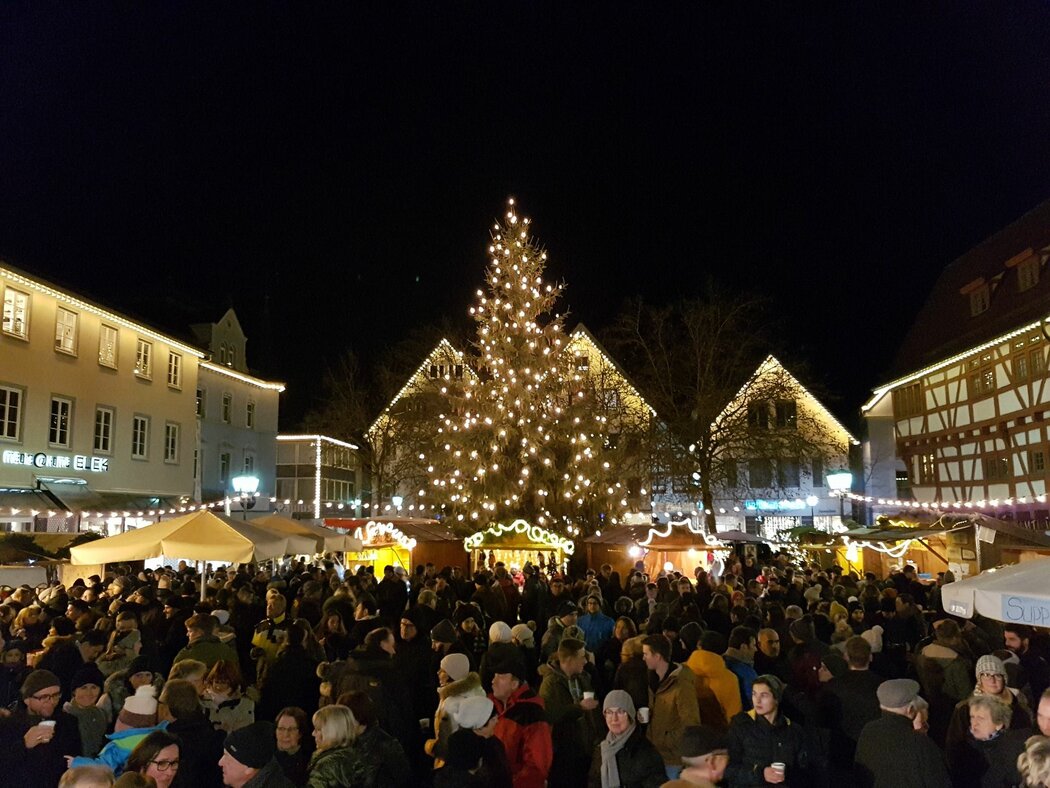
{"x":638,"y":762}
{"x":891,"y":754}
{"x":989,"y":764}
{"x":290,"y":681}
{"x":755,"y":743}
{"x":199,"y":752}
{"x":40,"y":766}
{"x":846,"y":704}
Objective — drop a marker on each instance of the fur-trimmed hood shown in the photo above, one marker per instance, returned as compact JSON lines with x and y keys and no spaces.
{"x":468,"y":685}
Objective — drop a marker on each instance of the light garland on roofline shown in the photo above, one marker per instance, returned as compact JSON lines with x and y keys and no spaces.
{"x":536,"y":534}
{"x":983,"y":503}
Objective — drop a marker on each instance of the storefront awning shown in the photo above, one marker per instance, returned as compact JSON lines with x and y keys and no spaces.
{"x":82,"y":498}
{"x":20,"y":503}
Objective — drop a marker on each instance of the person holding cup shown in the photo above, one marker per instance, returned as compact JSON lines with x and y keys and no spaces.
{"x":36,"y":738}
{"x":765,"y":747}
{"x":568,"y":698}
{"x":625,"y":757}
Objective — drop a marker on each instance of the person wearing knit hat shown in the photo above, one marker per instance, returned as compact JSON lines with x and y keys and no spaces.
{"x":457,"y":684}
{"x":990,"y":665}
{"x":499,"y":632}
{"x":249,"y":757}
{"x":38,"y":734}
{"x":444,"y":633}
{"x":140,"y":710}
{"x":475,"y":712}
{"x":756,"y":735}
{"x":92,"y":721}
{"x":625,"y":756}
{"x":455,"y":667}
{"x":523,"y":635}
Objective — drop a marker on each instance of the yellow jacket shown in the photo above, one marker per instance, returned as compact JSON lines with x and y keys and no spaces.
{"x":711,"y":672}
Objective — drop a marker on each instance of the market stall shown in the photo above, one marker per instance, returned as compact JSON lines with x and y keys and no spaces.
{"x":658,"y":547}
{"x":399,"y":541}
{"x":516,"y":544}
{"x":1018,"y":594}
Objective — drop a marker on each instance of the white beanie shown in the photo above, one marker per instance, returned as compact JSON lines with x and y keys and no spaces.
{"x":874,"y":637}
{"x":524,"y":634}
{"x":499,"y":632}
{"x":140,"y":709}
{"x":456,"y":665}
{"x":474,"y":712}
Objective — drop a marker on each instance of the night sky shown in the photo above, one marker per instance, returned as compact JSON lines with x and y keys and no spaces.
{"x":332,"y":171}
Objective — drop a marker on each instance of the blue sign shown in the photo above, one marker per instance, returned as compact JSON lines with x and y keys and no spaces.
{"x":760,"y":505}
{"x":1026,"y":610}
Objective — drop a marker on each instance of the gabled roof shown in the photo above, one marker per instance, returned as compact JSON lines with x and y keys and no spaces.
{"x":944,"y":326}
{"x":582,"y":332}
{"x":769,"y":365}
{"x":442,"y":350}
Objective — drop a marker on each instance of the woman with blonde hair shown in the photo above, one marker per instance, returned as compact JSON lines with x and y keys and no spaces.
{"x":1034,"y":762}
{"x":337,"y":761}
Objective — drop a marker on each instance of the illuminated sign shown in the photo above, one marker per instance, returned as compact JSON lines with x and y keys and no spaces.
{"x":78,"y":462}
{"x":760,"y":505}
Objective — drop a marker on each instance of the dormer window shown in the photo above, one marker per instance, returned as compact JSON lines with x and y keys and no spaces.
{"x":980,"y":300}
{"x":1027,"y":274}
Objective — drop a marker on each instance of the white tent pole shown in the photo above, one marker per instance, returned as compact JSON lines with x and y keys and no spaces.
{"x":204,"y":578}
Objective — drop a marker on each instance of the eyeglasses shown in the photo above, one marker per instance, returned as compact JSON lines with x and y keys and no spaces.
{"x":163,"y":766}
{"x":49,"y":697}
{"x":288,"y":729}
{"x":615,"y":712}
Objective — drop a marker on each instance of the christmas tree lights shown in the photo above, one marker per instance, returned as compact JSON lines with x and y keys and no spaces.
{"x":525,"y":437}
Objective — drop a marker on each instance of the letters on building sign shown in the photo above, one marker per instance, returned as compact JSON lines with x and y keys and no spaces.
{"x":760,"y":505}
{"x":78,"y":462}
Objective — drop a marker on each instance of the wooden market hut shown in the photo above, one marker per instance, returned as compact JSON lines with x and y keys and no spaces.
{"x":401,"y":541}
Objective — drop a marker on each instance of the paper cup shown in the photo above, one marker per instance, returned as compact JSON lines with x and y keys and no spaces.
{"x":588,"y":696}
{"x":778,"y":767}
{"x":643,"y":714}
{"x":47,"y":724}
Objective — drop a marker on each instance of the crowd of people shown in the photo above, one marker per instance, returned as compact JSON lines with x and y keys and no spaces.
{"x":762,"y":674}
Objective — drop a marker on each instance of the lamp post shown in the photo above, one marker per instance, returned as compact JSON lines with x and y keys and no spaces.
{"x":246,"y":488}
{"x":840,"y":482}
{"x":812,"y":501}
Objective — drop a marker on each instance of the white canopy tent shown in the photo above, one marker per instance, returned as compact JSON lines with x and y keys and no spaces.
{"x":1018,"y":594}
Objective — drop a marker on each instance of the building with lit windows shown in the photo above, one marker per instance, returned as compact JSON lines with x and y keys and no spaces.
{"x":318,"y":477}
{"x":237,"y":415}
{"x":962,"y":424}
{"x":96,"y":411}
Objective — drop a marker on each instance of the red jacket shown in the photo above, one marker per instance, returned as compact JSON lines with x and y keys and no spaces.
{"x":526,"y":736}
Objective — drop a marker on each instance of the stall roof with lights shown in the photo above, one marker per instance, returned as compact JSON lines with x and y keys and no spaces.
{"x":419,"y":528}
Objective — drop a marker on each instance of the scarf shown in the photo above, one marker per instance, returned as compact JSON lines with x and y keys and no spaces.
{"x":610,"y":746}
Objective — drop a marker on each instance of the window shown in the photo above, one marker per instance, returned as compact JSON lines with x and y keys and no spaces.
{"x":1028,"y":274}
{"x":732,"y":474}
{"x":1020,"y":367}
{"x":433,"y":371}
{"x":458,"y":374}
{"x":758,"y":415}
{"x":174,"y":370}
{"x":10,"y":412}
{"x":583,"y":363}
{"x":233,"y":358}
{"x":249,"y":416}
{"x":227,"y":407}
{"x":171,"y":442}
{"x":996,"y":467}
{"x":1036,"y":461}
{"x":980,"y":300}
{"x":58,"y":426}
{"x":788,"y":473}
{"x":760,"y":473}
{"x":103,"y":430}
{"x":249,"y":462}
{"x":66,"y":331}
{"x":196,"y":464}
{"x":927,"y":464}
{"x":981,"y":375}
{"x":200,"y":403}
{"x":144,"y":359}
{"x":1037,"y":362}
{"x":16,"y":313}
{"x":612,"y":398}
{"x":818,"y":471}
{"x":140,"y":437}
{"x":224,"y":467}
{"x":222,"y":353}
{"x":907,"y":401}
{"x":787,"y":414}
{"x":107,"y":346}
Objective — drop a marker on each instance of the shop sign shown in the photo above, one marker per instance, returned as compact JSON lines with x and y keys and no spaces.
{"x":78,"y":462}
{"x":760,"y":505}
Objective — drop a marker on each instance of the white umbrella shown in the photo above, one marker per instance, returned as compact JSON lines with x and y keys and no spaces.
{"x":325,"y":538}
{"x":1018,"y":594}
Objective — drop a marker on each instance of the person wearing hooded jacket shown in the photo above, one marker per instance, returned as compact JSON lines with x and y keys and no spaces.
{"x":711,"y":674}
{"x":522,"y":726}
{"x":763,"y":736}
{"x":573,"y":716}
{"x":456,"y":683}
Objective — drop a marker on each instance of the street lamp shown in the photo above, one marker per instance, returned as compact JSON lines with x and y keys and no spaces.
{"x":840,"y":482}
{"x":812,"y":501}
{"x":246,"y":487}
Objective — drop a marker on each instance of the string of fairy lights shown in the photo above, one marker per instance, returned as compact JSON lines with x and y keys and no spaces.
{"x":982,"y":503}
{"x":521,"y":437}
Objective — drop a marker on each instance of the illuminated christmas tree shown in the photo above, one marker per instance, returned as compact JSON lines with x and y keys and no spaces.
{"x":525,"y":438}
